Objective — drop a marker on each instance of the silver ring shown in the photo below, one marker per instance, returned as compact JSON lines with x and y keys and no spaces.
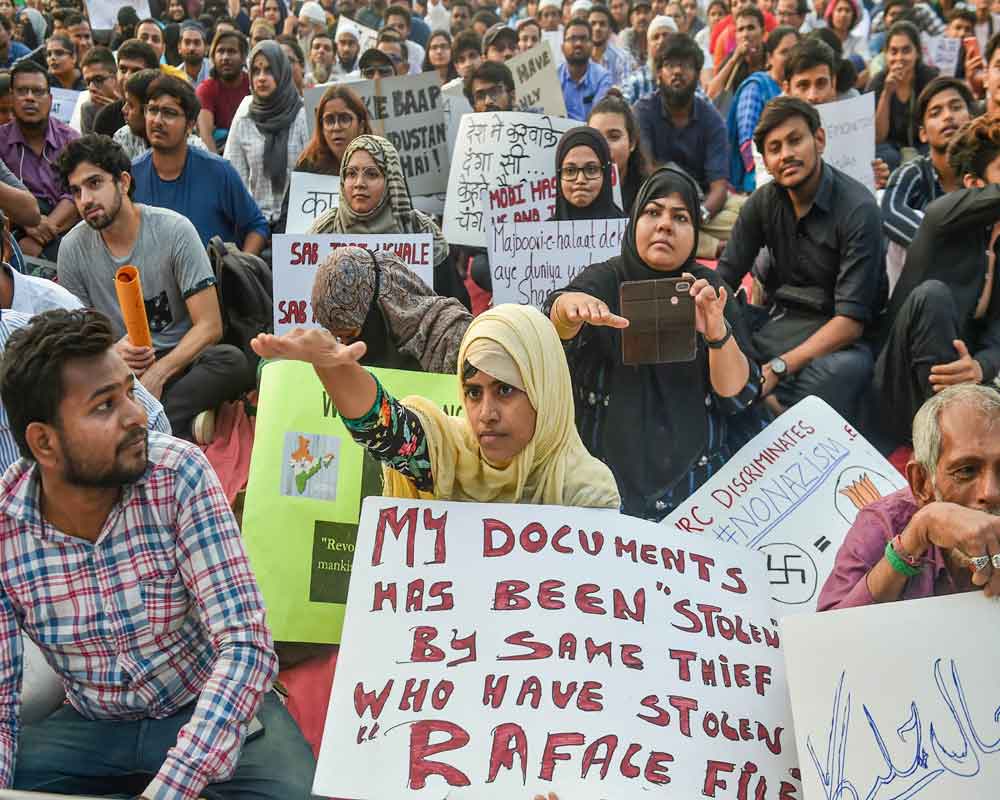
{"x":996,"y":561}
{"x":980,"y":562}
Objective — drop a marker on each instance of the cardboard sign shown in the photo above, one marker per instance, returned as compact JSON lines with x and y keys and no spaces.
{"x":497,"y":150}
{"x":506,"y":651}
{"x":408,"y":112}
{"x":307,"y":479}
{"x":63,"y":103}
{"x":297,"y":257}
{"x":942,"y":52}
{"x":310,"y":196}
{"x":850,"y":139}
{"x":103,"y":14}
{"x":897,"y":700}
{"x":536,"y":81}
{"x":367,"y":37}
{"x":531,"y":259}
{"x":792,"y":493}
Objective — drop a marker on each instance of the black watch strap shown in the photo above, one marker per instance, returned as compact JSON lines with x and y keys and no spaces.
{"x":718,"y":344}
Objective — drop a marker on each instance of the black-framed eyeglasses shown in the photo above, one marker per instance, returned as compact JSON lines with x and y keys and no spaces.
{"x":98,"y":80}
{"x":342,"y":119}
{"x":167,"y":113}
{"x":590,"y":171}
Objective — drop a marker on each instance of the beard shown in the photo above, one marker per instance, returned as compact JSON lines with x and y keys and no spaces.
{"x":193,"y":60}
{"x":677,"y":98}
{"x":104,"y":219}
{"x":78,"y":470}
{"x":321,"y":72}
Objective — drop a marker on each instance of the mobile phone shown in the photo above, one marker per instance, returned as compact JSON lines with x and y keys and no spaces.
{"x":971,"y":45}
{"x":661,"y":321}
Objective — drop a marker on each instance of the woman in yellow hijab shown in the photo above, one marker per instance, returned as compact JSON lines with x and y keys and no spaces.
{"x":516,"y":443}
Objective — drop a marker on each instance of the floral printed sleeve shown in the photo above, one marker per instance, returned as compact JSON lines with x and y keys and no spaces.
{"x":393,"y":435}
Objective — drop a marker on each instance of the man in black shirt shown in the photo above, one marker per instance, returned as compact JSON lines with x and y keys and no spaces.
{"x":823,"y":290}
{"x":943,"y":324}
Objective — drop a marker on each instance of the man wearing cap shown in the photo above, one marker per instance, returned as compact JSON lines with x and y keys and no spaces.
{"x":375,"y":64}
{"x":192,"y":49}
{"x":583,"y":82}
{"x":550,"y":15}
{"x":348,"y":46}
{"x":642,"y":82}
{"x":634,"y":38}
{"x":500,"y":43}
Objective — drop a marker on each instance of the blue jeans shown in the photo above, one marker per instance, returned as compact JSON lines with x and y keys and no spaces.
{"x":69,"y":754}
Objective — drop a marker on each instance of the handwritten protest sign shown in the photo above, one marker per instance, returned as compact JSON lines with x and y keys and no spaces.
{"x":515,"y":650}
{"x":367,"y":37}
{"x":532,"y":202}
{"x":63,"y":103}
{"x":531,"y":259}
{"x":792,"y":493}
{"x":307,"y":479}
{"x":897,"y":700}
{"x":501,"y":150}
{"x":297,"y":257}
{"x":104,"y":13}
{"x":407,"y":111}
{"x":310,"y":196}
{"x":536,"y":81}
{"x":942,"y":52}
{"x":850,"y":139}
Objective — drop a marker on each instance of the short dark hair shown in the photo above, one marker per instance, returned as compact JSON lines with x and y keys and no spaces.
{"x":467,"y":40}
{"x":780,"y":110}
{"x":935,"y":87}
{"x":180,"y":90}
{"x":27,"y":66}
{"x":893,"y":3}
{"x":101,"y":151}
{"x":65,"y":41}
{"x":975,"y":146}
{"x":991,"y":47}
{"x":488,"y":18}
{"x":488,"y":71}
{"x":31,"y":372}
{"x":138,"y":50}
{"x":99,"y":55}
{"x":965,"y":13}
{"x":808,"y":54}
{"x":581,"y":22}
{"x":679,"y":47}
{"x":397,"y":10}
{"x":137,"y":84}
{"x":149,"y":21}
{"x":774,"y":38}
{"x":750,"y":11}
{"x":241,"y":41}
{"x":910,"y":31}
{"x":600,"y":8}
{"x":73,"y":18}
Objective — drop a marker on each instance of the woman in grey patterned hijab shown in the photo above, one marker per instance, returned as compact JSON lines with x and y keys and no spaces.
{"x":376,"y":298}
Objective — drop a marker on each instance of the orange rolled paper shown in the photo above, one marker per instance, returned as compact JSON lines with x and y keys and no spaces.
{"x":129,"y":291}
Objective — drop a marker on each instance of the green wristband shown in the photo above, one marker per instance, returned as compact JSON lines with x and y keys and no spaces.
{"x":898,"y":563}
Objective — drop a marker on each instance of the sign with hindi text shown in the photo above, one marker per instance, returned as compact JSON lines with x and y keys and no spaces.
{"x":297,"y":257}
{"x":310,"y":196}
{"x":505,"y":651}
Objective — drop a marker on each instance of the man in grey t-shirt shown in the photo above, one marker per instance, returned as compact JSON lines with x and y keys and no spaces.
{"x":186,"y":367}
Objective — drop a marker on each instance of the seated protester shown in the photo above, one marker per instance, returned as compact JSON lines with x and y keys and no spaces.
{"x":923,"y":15}
{"x":744,"y":60}
{"x":264,"y":145}
{"x":192,"y":49}
{"x":634,"y":39}
{"x":376,"y":64}
{"x":105,"y":508}
{"x":483,"y":20}
{"x":260,"y":31}
{"x":400,"y":19}
{"x":583,"y":82}
{"x":348,"y":50}
{"x":845,"y":71}
{"x":375,"y":298}
{"x":222,"y":92}
{"x":792,"y":13}
{"x":29,"y":146}
{"x":99,"y":70}
{"x":516,"y":442}
{"x":529,"y":34}
{"x":662,"y":428}
{"x":198,"y":184}
{"x":185,"y":368}
{"x":643,"y":82}
{"x":374,"y":197}
{"x":716,"y":12}
{"x":500,"y":43}
{"x":439,"y":57}
{"x":826,"y":285}
{"x":132,"y":135}
{"x":320,"y":60}
{"x":60,"y":55}
{"x":151,"y":32}
{"x":394,"y":48}
{"x":842,"y":17}
{"x":896,"y":90}
{"x":677,"y":126}
{"x":614,"y":118}
{"x":133,"y":56}
{"x":11,"y":50}
{"x":583,"y":166}
{"x":723,"y":39}
{"x":893,"y":11}
{"x":467,"y":55}
{"x":30,"y":295}
{"x":936,"y":536}
{"x":943,"y":107}
{"x":748,"y":103}
{"x":943,"y":322}
{"x":606,"y":54}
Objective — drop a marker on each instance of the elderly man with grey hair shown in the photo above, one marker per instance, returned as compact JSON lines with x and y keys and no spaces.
{"x":941,"y":535}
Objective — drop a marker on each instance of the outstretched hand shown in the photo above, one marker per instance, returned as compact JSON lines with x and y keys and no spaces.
{"x":316,"y":346}
{"x":574,"y":309}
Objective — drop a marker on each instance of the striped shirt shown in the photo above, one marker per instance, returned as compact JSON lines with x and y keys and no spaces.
{"x":161,"y":611}
{"x":10,"y":321}
{"x":906,"y":196}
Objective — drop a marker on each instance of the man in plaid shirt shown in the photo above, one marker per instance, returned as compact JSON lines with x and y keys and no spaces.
{"x":120,"y":558}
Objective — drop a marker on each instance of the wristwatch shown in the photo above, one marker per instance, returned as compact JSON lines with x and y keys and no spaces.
{"x":778,"y":367}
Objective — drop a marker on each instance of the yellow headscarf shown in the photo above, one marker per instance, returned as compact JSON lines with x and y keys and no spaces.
{"x":554,"y":468}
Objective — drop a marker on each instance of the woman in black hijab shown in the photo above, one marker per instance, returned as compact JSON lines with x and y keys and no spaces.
{"x":583,"y":169}
{"x":664,"y":429}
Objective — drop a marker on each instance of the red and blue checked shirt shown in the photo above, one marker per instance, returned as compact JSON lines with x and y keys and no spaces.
{"x":161,"y":611}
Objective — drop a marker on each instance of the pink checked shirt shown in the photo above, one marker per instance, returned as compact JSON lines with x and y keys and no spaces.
{"x":161,"y":611}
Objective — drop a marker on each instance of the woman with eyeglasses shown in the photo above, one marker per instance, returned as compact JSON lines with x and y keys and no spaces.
{"x":60,"y":54}
{"x":439,"y":56}
{"x":583,"y":166}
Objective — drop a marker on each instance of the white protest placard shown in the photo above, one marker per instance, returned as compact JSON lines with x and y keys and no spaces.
{"x":534,"y":201}
{"x":367,"y":37}
{"x":296,"y":258}
{"x":555,"y":41}
{"x":63,"y":103}
{"x":498,"y":652}
{"x":407,"y":111}
{"x":310,"y":196}
{"x":497,"y":150}
{"x":528,"y":260}
{"x":792,"y":493}
{"x":850,"y":139}
{"x":536,"y":81}
{"x":897,"y":700}
{"x":455,"y":106}
{"x":103,"y":14}
{"x":942,"y":52}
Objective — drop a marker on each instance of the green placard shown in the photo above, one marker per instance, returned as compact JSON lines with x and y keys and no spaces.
{"x":303,"y":500}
